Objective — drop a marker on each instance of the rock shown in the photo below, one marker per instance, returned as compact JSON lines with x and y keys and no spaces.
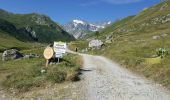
{"x":40,"y":19}
{"x":122,"y":30}
{"x":159,"y":20}
{"x":52,"y":63}
{"x":164,"y":35}
{"x":96,"y":44}
{"x":11,"y":55}
{"x":164,"y":6}
{"x":31,"y":56}
{"x":156,"y":37}
{"x":84,"y":50}
{"x":3,"y":96}
{"x":109,"y":39}
{"x":31,"y":31}
{"x":166,"y":18}
{"x":43,"y":71}
{"x":144,"y":25}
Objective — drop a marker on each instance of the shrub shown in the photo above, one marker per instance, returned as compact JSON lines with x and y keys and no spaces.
{"x":162,"y":52}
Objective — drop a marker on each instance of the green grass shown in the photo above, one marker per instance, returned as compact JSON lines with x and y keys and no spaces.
{"x":7,"y":42}
{"x":22,"y":75}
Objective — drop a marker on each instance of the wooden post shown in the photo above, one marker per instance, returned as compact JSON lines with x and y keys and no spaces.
{"x":47,"y":61}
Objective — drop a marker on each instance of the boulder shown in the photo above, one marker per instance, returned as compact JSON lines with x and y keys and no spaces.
{"x":84,"y":50}
{"x":11,"y":55}
{"x":109,"y":39}
{"x":156,"y":37}
{"x":40,"y":19}
{"x":31,"y":56}
{"x":164,"y":35}
{"x":96,"y":44}
{"x":164,"y":6}
{"x":31,"y":31}
{"x":166,"y":18}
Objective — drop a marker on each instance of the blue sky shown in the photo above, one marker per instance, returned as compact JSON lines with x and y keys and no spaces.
{"x":63,"y":11}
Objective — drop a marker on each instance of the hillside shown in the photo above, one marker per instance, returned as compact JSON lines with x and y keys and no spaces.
{"x":135,"y":40}
{"x":149,"y":20}
{"x":32,"y":27}
{"x":7,"y":41}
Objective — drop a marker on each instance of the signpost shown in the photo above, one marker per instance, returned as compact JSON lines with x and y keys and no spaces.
{"x":48,"y":54}
{"x":59,"y":49}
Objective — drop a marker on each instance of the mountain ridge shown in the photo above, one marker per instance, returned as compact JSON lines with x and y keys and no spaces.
{"x":38,"y":27}
{"x":79,"y":28}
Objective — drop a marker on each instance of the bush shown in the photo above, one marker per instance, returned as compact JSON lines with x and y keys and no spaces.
{"x":162,"y":52}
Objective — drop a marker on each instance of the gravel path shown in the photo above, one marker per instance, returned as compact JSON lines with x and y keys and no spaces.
{"x":104,"y":80}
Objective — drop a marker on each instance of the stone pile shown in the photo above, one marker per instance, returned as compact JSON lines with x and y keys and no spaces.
{"x":13,"y":54}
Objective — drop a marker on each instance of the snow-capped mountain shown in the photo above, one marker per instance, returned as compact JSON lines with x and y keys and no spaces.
{"x":79,"y":28}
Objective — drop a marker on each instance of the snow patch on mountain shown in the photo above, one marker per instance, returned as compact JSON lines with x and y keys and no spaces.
{"x":79,"y":28}
{"x":78,"y":21}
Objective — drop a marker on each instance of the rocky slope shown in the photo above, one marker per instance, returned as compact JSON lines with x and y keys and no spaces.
{"x":80,"y":29}
{"x":32,"y":27}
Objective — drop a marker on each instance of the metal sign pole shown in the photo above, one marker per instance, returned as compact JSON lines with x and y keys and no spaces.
{"x":58,"y":59}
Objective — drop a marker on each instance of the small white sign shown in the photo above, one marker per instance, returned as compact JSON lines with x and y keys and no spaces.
{"x":58,"y":55}
{"x":60,"y":47}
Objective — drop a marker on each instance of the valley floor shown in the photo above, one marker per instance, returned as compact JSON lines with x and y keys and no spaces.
{"x":101,"y":79}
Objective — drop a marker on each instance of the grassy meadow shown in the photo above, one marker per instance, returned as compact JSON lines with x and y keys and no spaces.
{"x":23,"y":74}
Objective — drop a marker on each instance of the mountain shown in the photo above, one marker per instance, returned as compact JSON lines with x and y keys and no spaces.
{"x":152,"y":19}
{"x":80,"y":29}
{"x":32,"y":27}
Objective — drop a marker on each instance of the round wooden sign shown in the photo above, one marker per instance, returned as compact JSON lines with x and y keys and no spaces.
{"x":48,"y":53}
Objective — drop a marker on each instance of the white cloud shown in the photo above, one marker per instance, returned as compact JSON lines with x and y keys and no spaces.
{"x":116,"y":2}
{"x":121,"y":1}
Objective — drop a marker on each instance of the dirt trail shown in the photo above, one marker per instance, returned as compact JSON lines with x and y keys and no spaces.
{"x":104,"y":80}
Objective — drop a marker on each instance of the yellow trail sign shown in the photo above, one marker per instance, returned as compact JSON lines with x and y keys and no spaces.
{"x":48,"y":53}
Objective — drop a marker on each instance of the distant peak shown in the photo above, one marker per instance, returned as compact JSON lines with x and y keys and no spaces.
{"x":78,"y":21}
{"x":109,"y":22}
